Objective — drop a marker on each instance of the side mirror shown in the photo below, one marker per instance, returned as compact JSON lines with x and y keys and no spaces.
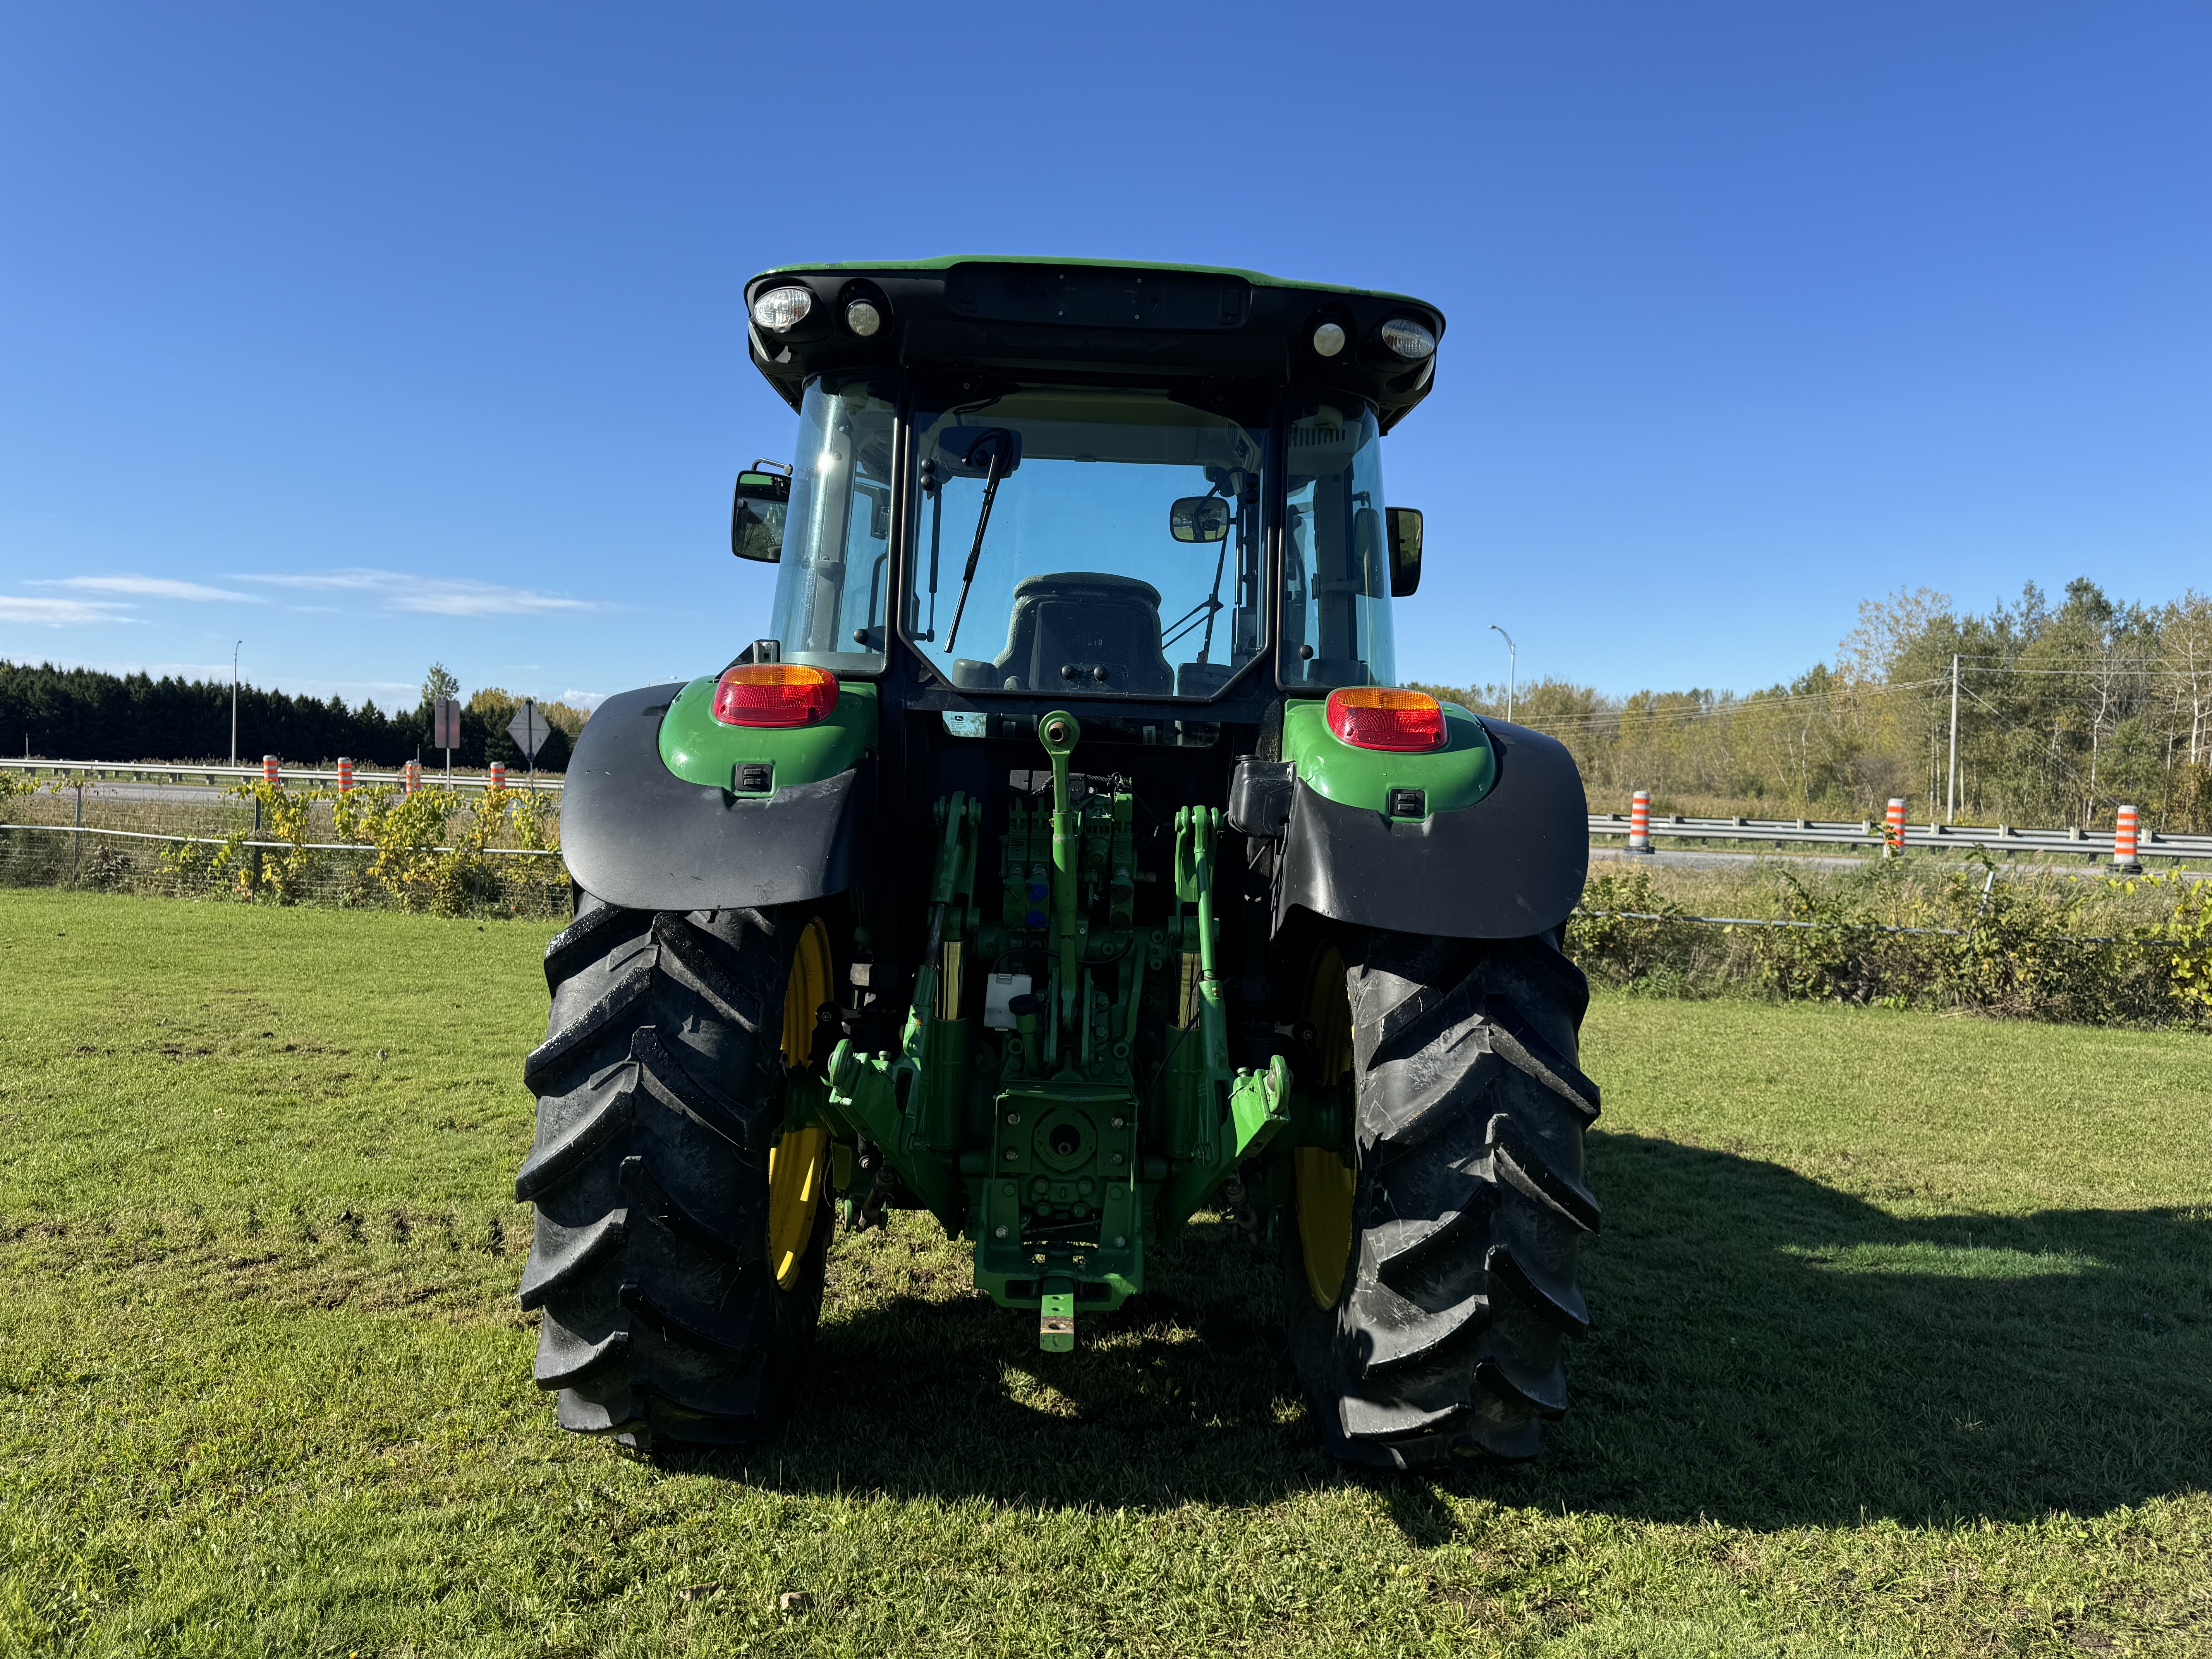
{"x":1198,"y":519}
{"x":1404,"y":551}
{"x":756,"y":515}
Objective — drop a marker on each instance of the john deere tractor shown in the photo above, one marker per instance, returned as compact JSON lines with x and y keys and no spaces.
{"x":1062,"y":861}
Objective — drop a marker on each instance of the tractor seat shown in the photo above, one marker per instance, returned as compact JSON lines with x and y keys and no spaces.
{"x":1085,"y":630}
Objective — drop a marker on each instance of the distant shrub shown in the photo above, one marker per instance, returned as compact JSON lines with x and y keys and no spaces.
{"x":1630,"y":931}
{"x":1896,"y":937}
{"x":429,"y":851}
{"x":2189,"y":928}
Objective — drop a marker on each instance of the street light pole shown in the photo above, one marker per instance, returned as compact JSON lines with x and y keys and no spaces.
{"x":234,"y":702}
{"x":1951,"y":792}
{"x":1512,"y":667}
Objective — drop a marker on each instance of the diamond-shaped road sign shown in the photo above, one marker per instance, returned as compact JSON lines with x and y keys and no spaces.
{"x":528,"y":729}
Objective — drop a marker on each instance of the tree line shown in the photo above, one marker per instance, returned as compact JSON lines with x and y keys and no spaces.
{"x":2066,"y":710}
{"x":81,"y":714}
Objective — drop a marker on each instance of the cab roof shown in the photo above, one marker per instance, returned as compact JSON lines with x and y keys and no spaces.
{"x":947,"y":261}
{"x":1111,"y":317}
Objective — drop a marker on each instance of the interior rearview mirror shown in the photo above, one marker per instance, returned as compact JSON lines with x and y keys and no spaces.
{"x":1404,"y":551}
{"x":756,"y":515}
{"x":1198,"y":519}
{"x":965,"y":451}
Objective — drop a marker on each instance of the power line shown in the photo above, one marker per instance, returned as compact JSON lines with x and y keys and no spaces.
{"x":2087,"y":788}
{"x":2094,"y":667}
{"x":1729,"y":705}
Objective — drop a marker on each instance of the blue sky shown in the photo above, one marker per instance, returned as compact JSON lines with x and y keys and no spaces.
{"x":373,"y":335}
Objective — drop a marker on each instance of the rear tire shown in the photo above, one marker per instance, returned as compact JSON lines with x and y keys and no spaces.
{"x":661,"y":1101}
{"x":1430,"y":1282}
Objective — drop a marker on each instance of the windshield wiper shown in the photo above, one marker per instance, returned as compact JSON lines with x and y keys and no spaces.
{"x":1005,"y":447}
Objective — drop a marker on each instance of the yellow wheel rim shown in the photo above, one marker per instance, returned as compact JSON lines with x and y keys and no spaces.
{"x":803,"y":993}
{"x":1325,"y":1181}
{"x":797,"y":1163}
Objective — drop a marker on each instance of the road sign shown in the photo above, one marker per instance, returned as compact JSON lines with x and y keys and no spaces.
{"x":445,"y":723}
{"x":528,"y":729}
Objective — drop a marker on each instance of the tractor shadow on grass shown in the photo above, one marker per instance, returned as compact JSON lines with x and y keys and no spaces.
{"x":1768,"y":1352}
{"x":1184,"y":1395}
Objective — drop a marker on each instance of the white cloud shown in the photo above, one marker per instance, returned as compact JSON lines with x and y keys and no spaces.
{"x":57,"y":613}
{"x":152,"y":588}
{"x":459,"y":598}
{"x":437,"y":595}
{"x":589,"y":700}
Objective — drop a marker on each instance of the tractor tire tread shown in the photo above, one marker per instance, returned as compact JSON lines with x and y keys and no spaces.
{"x":647,"y":1198}
{"x":585,"y":940}
{"x":687,"y":962}
{"x":659,"y":1093}
{"x":579,"y":1033}
{"x":570,"y":1252}
{"x":556,"y":1160}
{"x":1446,"y":1339}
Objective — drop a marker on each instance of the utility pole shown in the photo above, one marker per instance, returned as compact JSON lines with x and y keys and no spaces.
{"x":1951,"y":795}
{"x":234,"y":702}
{"x":1512,"y":667}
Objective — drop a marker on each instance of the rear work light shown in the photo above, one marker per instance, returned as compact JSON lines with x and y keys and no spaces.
{"x":774,"y":694}
{"x":1376,"y":717}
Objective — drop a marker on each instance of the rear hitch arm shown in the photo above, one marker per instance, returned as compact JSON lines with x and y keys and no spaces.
{"x":1059,"y":734}
{"x":1258,"y":1104}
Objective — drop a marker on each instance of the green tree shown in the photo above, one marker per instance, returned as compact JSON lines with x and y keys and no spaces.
{"x":2065,"y":710}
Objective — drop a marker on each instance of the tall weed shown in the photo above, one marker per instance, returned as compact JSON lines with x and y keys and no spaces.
{"x":2092,"y":951}
{"x":429,"y":851}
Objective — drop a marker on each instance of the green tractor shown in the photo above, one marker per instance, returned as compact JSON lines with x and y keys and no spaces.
{"x":1063,"y":861}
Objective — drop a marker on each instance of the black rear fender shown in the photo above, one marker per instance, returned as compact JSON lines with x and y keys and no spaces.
{"x":637,"y":836}
{"x":1509,"y":866}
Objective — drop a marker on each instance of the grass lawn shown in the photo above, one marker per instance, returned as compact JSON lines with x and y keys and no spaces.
{"x":1903,"y":1344}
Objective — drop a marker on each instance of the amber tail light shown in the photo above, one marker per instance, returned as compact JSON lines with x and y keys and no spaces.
{"x":1378,"y":717}
{"x":774,"y":694}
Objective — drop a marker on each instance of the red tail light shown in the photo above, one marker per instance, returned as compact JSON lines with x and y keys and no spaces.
{"x":1375,"y":717}
{"x":774,"y":694}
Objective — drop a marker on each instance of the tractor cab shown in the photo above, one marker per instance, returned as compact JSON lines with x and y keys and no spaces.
{"x":1112,"y":504}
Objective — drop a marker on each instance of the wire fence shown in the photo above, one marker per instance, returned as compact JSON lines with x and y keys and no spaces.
{"x":216,"y":775}
{"x":1864,"y":927}
{"x":1902,"y":932}
{"x":219,"y":849}
{"x":2135,"y":950}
